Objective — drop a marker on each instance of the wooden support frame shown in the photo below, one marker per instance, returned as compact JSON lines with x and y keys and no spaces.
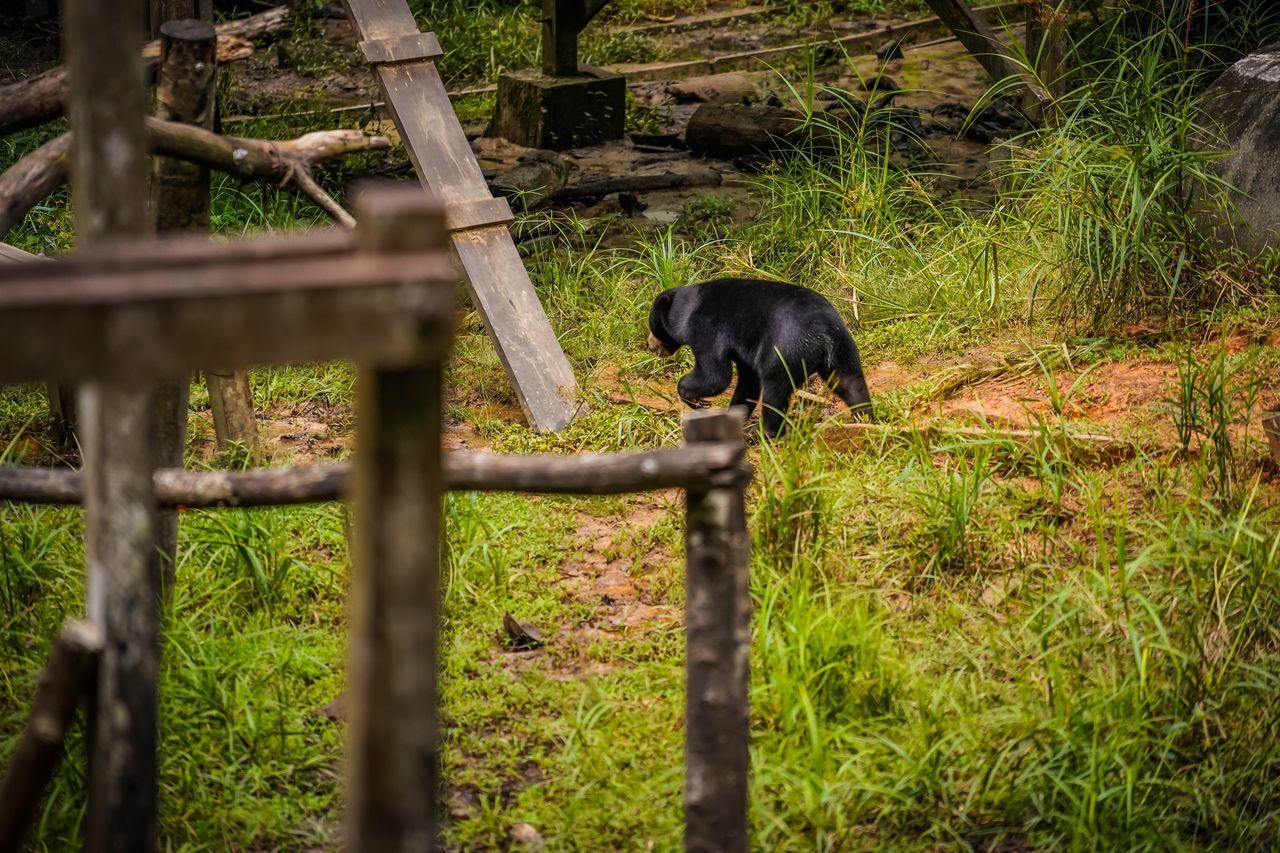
{"x":498,"y":282}
{"x":982,"y":42}
{"x":562,"y":22}
{"x":137,"y":323}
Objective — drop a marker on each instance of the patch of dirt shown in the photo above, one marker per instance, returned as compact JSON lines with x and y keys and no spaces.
{"x":615,"y":572}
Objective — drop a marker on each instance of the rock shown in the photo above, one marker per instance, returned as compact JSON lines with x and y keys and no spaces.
{"x":890,"y":50}
{"x":536,"y":177}
{"x":630,"y":204}
{"x":1242,"y":111}
{"x":714,"y":88}
{"x":527,"y":837}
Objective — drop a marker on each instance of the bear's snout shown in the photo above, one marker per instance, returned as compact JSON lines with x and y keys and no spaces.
{"x":656,"y":347}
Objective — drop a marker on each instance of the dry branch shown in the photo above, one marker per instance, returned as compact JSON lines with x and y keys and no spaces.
{"x":43,"y":97}
{"x":66,"y":678}
{"x":702,"y":466}
{"x":42,"y":171}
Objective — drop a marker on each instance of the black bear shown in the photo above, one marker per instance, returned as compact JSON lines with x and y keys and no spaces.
{"x":777,"y":335}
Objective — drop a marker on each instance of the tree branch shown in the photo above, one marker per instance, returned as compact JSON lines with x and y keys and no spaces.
{"x":42,"y":171}
{"x":43,"y":97}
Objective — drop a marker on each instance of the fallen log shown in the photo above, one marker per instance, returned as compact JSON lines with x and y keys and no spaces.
{"x":702,"y":466}
{"x":637,"y":183}
{"x":67,"y":677}
{"x":42,"y":171}
{"x":43,"y":97}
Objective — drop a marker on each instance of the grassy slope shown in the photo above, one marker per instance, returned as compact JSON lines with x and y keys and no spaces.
{"x":950,"y":648}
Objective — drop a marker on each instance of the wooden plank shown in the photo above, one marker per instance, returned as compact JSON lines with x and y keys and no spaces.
{"x":718,"y":644}
{"x":124,"y":333}
{"x":466,"y":215}
{"x":496,"y":277}
{"x":657,"y":71}
{"x":14,"y":255}
{"x":393,"y":737}
{"x":411,"y":48}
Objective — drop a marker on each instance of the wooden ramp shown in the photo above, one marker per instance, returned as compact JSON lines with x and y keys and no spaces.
{"x":404,"y":60}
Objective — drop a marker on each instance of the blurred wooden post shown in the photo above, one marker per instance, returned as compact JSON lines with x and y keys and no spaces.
{"x":160,"y":11}
{"x":718,"y":632}
{"x":67,"y":676}
{"x":109,"y":179}
{"x":185,"y":79}
{"x":393,"y":734}
{"x":1046,"y":20}
{"x":186,"y":91}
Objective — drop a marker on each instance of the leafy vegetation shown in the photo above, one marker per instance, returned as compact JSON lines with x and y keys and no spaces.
{"x":963,"y":638}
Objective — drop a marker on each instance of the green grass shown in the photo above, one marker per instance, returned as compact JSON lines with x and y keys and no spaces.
{"x":959,"y":642}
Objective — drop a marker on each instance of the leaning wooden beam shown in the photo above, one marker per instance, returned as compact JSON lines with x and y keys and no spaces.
{"x":984,"y":44}
{"x":700,"y":466}
{"x":718,"y":643}
{"x":43,"y":97}
{"x":27,"y":182}
{"x":67,"y":676}
{"x":403,"y":59}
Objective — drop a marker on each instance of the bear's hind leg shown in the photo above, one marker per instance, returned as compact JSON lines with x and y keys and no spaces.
{"x":748,"y":391}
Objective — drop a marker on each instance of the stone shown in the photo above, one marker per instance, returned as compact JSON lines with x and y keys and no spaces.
{"x":1242,"y":110}
{"x":559,"y":113}
{"x":715,"y":88}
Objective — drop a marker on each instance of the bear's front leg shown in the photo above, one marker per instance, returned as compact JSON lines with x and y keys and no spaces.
{"x":710,"y":376}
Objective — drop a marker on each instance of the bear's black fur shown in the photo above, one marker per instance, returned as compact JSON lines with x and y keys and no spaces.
{"x":777,"y":336}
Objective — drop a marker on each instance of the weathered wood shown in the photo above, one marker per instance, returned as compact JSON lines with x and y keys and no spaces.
{"x":409,"y":48}
{"x":43,"y":97}
{"x":185,"y":81}
{"x":235,"y":315}
{"x":68,"y":675}
{"x":1046,"y":27}
{"x":162,"y":11}
{"x":560,"y":28}
{"x":109,"y":173}
{"x":637,"y":183}
{"x":496,"y":277}
{"x":393,"y":736}
{"x":186,"y":92}
{"x":1271,"y":428}
{"x":41,"y":171}
{"x":14,"y":255}
{"x":984,"y":44}
{"x":763,"y":57}
{"x":699,"y":466}
{"x":119,"y":440}
{"x":718,"y":643}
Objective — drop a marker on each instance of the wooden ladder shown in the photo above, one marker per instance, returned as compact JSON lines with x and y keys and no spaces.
{"x":404,"y":59}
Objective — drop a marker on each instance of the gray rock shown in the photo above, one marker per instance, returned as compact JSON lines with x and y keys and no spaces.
{"x":1242,"y":110}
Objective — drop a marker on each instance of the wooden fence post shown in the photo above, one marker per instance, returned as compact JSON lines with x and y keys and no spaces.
{"x":393,"y":735}
{"x":186,"y":91}
{"x":185,"y":79}
{"x":101,"y":40}
{"x":119,"y":438}
{"x":718,"y":631}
